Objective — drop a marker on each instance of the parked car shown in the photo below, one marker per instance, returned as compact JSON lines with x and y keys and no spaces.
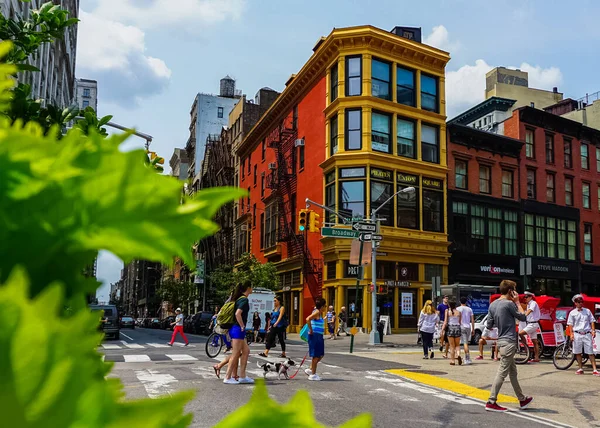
{"x":127,"y":322}
{"x":154,"y":323}
{"x":200,"y":323}
{"x":165,"y":324}
{"x":480,"y":320}
{"x":109,"y":320}
{"x":187,"y":324}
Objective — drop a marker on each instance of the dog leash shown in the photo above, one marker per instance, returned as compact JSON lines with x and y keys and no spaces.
{"x":303,"y":359}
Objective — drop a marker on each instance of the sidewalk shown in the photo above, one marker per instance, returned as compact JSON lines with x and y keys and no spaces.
{"x":361,"y":341}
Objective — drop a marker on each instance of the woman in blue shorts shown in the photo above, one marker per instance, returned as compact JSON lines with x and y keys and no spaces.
{"x":316,"y":344}
{"x":240,"y":349}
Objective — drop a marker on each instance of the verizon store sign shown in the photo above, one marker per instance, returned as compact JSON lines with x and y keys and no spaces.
{"x":496,"y":270}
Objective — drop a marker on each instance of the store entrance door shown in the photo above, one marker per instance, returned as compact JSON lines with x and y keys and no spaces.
{"x":407,"y":300}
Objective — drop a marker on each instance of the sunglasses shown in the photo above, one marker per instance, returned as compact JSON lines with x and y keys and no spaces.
{"x":578,"y":301}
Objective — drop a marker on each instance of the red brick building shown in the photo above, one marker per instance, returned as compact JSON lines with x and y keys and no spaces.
{"x":553,"y":169}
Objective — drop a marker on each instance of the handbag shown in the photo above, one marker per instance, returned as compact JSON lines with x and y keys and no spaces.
{"x":304,"y":333}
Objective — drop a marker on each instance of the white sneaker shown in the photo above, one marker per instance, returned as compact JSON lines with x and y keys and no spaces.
{"x":314,"y":377}
{"x":246,"y":380}
{"x":308,"y":372}
{"x":231,"y":381}
{"x":468,"y":362}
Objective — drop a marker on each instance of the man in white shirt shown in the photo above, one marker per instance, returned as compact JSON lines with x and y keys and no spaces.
{"x":583,"y":329}
{"x":467,"y":327}
{"x":531,"y":325}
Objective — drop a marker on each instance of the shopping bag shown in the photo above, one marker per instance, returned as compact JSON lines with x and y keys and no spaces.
{"x":436,"y":333}
{"x":304,"y":333}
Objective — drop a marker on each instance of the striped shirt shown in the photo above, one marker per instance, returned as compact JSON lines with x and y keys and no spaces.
{"x":318,"y":326}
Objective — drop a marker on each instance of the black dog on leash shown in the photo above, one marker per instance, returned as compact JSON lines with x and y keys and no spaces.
{"x":279,"y":368}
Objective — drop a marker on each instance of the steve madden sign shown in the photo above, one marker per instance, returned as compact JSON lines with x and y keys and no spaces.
{"x":553,"y":268}
{"x":496,"y":270}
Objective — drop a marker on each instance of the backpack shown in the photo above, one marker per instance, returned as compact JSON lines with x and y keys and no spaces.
{"x":226,"y":316}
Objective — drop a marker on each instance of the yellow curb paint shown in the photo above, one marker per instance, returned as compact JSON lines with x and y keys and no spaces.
{"x":451,"y":385}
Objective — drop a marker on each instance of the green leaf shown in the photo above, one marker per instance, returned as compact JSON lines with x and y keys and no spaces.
{"x":50,"y":380}
{"x":27,"y":67}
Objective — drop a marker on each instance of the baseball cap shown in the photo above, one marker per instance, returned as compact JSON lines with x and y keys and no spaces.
{"x":577,"y":296}
{"x":178,"y":309}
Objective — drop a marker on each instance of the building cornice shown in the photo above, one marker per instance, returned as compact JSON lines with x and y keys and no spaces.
{"x":346,"y":40}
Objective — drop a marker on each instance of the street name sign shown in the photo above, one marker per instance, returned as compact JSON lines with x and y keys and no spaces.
{"x":336,"y":232}
{"x":365,"y":237}
{"x":376,"y":237}
{"x":364,"y":227}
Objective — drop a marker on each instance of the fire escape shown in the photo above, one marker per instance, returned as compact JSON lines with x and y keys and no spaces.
{"x":283,"y":183}
{"x":218,"y":171}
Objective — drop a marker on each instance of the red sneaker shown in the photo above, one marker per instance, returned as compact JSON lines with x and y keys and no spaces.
{"x":479,"y":357}
{"x":494,"y":407}
{"x":525,"y":403}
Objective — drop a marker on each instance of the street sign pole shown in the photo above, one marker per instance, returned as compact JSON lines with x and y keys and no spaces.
{"x":358,"y":279}
{"x":374,"y":336}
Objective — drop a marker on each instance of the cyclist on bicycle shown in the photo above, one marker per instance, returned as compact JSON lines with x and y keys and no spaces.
{"x":583,"y":329}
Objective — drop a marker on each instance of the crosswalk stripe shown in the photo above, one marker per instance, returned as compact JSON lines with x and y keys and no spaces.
{"x":182,"y":345}
{"x":134,"y":346}
{"x":181,"y":357}
{"x":158,"y":345}
{"x":136,"y":358}
{"x":156,"y":383}
{"x":110,"y":346}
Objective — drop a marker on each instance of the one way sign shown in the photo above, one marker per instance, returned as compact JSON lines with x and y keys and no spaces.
{"x":364,"y":227}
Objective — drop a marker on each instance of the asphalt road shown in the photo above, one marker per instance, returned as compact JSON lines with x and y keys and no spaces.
{"x":351,"y":385}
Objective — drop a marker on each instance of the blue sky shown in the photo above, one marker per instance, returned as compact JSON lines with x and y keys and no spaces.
{"x":151,"y":57}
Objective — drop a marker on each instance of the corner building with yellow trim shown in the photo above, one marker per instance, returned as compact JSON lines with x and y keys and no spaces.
{"x":376,"y":126}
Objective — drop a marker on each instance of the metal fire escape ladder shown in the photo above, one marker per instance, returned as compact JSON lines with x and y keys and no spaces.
{"x":284,"y":185}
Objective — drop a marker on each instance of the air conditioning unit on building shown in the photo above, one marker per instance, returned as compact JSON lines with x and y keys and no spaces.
{"x":272,"y":165}
{"x":299,"y":142}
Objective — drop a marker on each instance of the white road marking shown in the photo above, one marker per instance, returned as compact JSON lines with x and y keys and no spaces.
{"x":158,"y":345}
{"x":126,"y":335}
{"x":204,"y":372}
{"x":181,"y":357}
{"x":182,"y":345}
{"x":136,"y":358}
{"x":331,"y":366}
{"x":110,"y":346}
{"x":156,"y":383}
{"x":134,"y":346}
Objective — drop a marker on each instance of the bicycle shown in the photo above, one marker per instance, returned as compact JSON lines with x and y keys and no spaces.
{"x":564,"y":357}
{"x":215,"y":342}
{"x":523,"y":354}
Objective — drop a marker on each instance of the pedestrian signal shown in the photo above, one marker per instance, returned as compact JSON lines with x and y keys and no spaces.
{"x":314,"y":222}
{"x":303,"y":218}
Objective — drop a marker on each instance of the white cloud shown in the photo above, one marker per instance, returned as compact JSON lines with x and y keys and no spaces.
{"x":187,"y":14}
{"x":440,"y":38}
{"x":465,"y":87}
{"x":115,"y":55}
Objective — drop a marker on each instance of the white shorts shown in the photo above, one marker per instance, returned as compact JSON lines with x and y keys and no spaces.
{"x":583,"y":344}
{"x":465,"y":335}
{"x":531,"y":330}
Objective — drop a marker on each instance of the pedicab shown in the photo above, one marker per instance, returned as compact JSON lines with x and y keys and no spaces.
{"x":550,"y":331}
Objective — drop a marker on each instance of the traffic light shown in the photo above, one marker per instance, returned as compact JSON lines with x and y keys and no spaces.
{"x":314,"y":225}
{"x":303,"y":218}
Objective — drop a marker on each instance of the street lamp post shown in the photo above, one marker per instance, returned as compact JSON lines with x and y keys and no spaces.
{"x":374,"y":336}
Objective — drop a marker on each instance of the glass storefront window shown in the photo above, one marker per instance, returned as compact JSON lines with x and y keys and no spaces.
{"x":380,"y":192}
{"x":540,"y":236}
{"x":352,"y":197}
{"x":433,"y":210}
{"x":510,"y":233}
{"x":572,"y":240}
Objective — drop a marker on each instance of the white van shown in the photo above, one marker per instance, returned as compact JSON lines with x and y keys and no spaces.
{"x":260,"y":300}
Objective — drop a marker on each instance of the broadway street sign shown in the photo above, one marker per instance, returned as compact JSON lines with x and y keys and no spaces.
{"x":339,"y":233}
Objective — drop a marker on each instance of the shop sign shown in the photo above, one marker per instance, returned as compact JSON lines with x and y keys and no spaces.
{"x":432,"y":183}
{"x":408,"y":179}
{"x":381,"y":174}
{"x":544,"y":268}
{"x":392,"y":283}
{"x":351,"y":271}
{"x":552,"y":268}
{"x":496,"y":270}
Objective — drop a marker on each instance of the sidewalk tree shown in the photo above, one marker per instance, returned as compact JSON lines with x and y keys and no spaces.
{"x":178,"y":294}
